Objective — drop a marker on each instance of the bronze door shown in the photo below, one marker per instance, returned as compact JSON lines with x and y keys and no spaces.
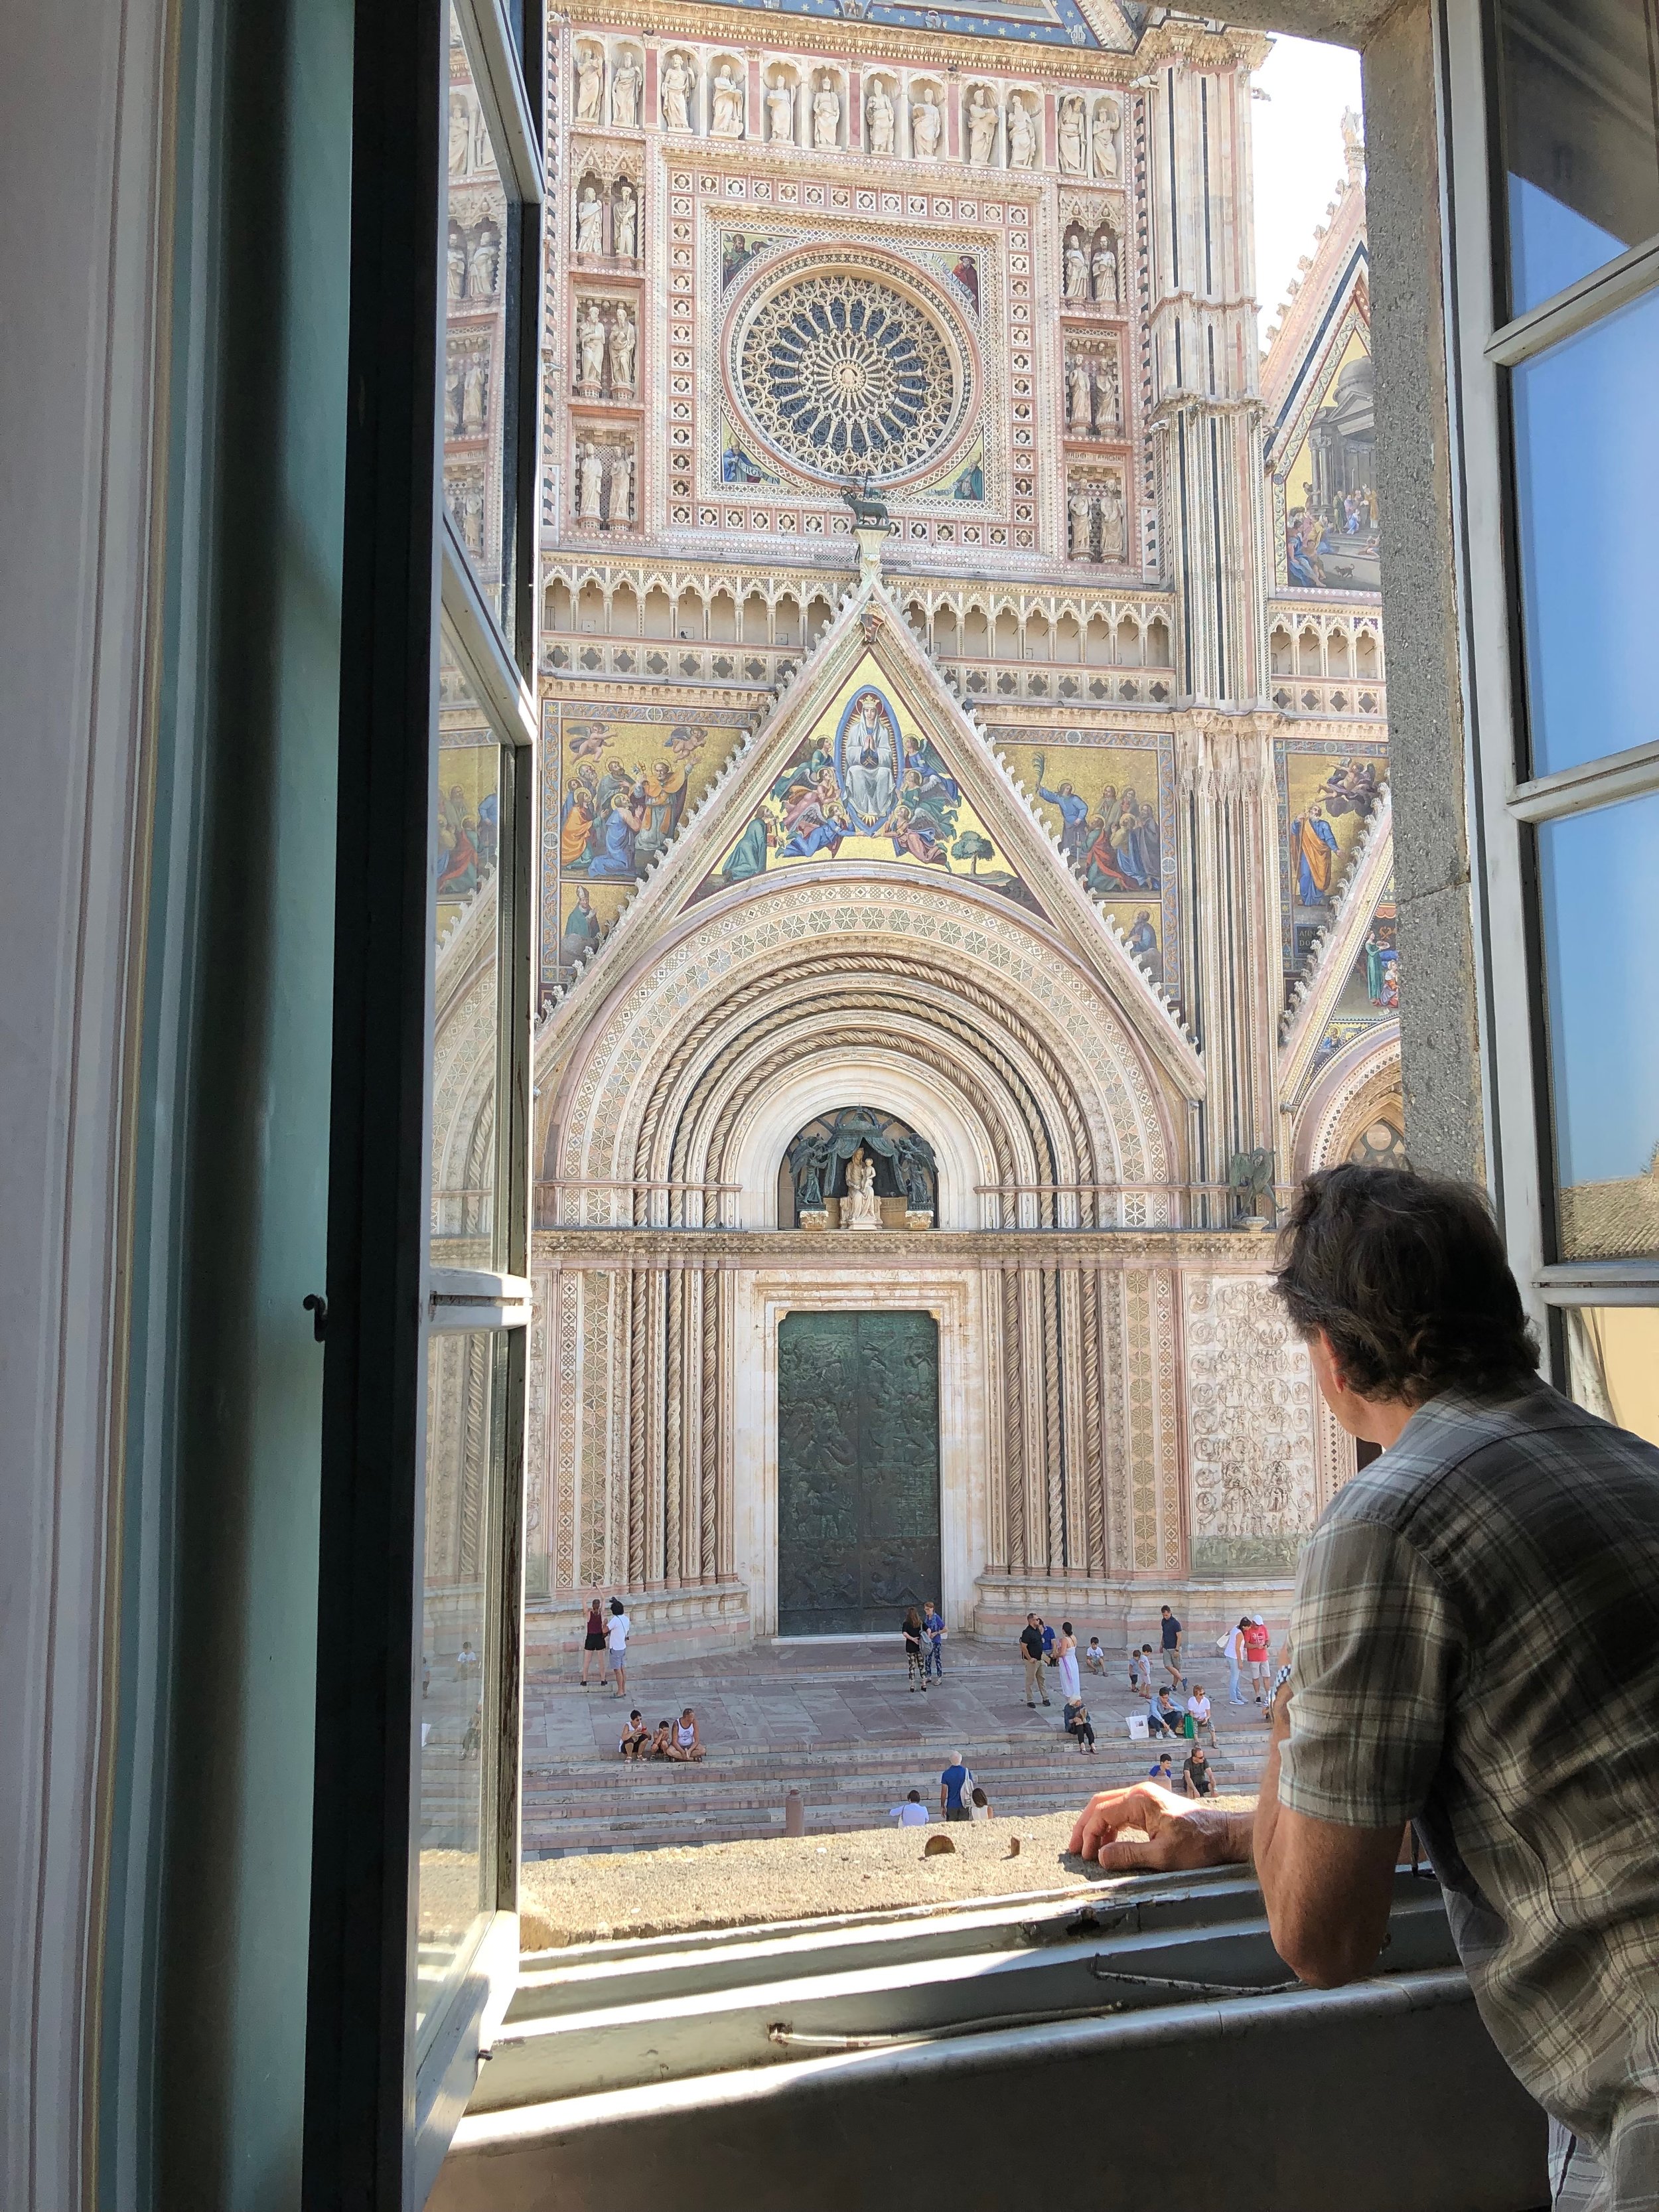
{"x":858,"y":1470}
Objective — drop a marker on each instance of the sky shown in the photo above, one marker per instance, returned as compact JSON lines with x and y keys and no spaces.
{"x":1298,"y":154}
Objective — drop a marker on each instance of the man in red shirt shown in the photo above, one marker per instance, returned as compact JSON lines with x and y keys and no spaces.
{"x":1257,"y":1650}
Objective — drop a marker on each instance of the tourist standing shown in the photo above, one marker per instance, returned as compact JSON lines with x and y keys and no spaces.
{"x":1169,"y":1628}
{"x":1030,"y":1644}
{"x":616,"y":1631}
{"x":955,"y":1787}
{"x":1065,"y":1661}
{"x":933,"y":1628}
{"x":1232,"y":1644}
{"x":594,"y":1640}
{"x":916,"y":1659}
{"x":1257,"y":1645}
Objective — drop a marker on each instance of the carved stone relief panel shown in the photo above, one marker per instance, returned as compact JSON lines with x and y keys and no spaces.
{"x":1250,"y":1428}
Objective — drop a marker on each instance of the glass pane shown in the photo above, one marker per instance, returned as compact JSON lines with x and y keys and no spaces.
{"x":1587,"y":460}
{"x":1599,"y":886}
{"x":465,"y":1042}
{"x":1581,"y":135}
{"x":1613,"y":1360}
{"x":477,"y":402}
{"x":456,"y":1738}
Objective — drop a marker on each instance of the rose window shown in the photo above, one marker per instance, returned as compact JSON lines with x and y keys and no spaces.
{"x":845,"y":374}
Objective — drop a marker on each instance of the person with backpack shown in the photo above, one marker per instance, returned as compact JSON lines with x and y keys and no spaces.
{"x":956,"y":1787}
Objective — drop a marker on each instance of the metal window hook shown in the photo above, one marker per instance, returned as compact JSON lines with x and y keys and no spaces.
{"x":316,"y":1306}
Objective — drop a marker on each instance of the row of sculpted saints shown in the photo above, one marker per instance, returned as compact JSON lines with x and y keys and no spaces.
{"x":627,"y":82}
{"x":624,"y":221}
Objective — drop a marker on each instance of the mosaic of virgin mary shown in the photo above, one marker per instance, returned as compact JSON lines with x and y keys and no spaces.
{"x":868,"y":759}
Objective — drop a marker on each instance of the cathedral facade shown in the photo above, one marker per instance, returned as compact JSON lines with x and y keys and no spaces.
{"x":966,"y":893}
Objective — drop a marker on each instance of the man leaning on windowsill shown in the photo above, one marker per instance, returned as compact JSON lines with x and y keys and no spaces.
{"x":1474,"y":1645}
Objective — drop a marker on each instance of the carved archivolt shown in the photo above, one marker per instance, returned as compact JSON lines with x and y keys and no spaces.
{"x":1361,"y":1086}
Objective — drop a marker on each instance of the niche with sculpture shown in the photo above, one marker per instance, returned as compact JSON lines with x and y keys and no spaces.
{"x":857,"y":1169}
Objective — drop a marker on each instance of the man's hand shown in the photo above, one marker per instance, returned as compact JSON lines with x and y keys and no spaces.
{"x":1178,"y":1834}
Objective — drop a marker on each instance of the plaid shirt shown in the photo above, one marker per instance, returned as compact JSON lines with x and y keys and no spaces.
{"x":1475,"y":1645}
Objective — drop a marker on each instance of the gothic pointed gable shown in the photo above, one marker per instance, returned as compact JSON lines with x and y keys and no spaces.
{"x":1350,"y":986}
{"x":867,"y":766}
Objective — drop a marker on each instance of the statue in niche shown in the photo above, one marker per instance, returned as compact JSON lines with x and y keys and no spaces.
{"x":726,"y":116}
{"x":590,"y":483}
{"x":826,"y":114}
{"x":982,"y":126}
{"x":1077,"y":270}
{"x":927,"y":125}
{"x":879,"y":114}
{"x":484,"y":257}
{"x":590,"y":343}
{"x":590,"y":84}
{"x":1103,"y":269}
{"x":781,"y":111}
{"x":1114,"y":532}
{"x":1074,"y":138}
{"x":860,"y":1208}
{"x":469,"y":502}
{"x":1104,"y":136}
{"x":461,"y":134}
{"x":622,"y":485}
{"x":455,"y":393}
{"x":590,"y":221}
{"x":1021,"y":134}
{"x":676,"y":83}
{"x":475,"y":403}
{"x":1108,"y":396}
{"x":624,"y":338}
{"x":624,"y":223}
{"x":457,"y":264}
{"x":625,"y":94}
{"x":1079,"y":395}
{"x":1081,"y":512}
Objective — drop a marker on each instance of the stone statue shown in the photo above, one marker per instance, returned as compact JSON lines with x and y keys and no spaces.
{"x":622,"y":486}
{"x":455,"y":393}
{"x":590,"y":483}
{"x":1021,"y":134}
{"x":726,"y":117}
{"x":1079,"y":509}
{"x":624,"y":338}
{"x":1074,"y":138}
{"x":781,"y":111}
{"x":457,"y":264}
{"x":624,"y":223}
{"x":860,"y":1208}
{"x":1104,"y":136}
{"x":826,"y":113}
{"x":1114,"y":536}
{"x":590,"y":84}
{"x":1077,"y":270}
{"x":1079,"y":395}
{"x":982,"y":126}
{"x":927,"y":124}
{"x":1103,"y":268}
{"x":475,"y":403}
{"x":625,"y":94}
{"x":676,"y":83}
{"x":485,"y":254}
{"x":471,"y":518}
{"x":590,"y":221}
{"x":879,"y":114}
{"x":460,"y":134}
{"x":590,"y":340}
{"x":1109,"y":396}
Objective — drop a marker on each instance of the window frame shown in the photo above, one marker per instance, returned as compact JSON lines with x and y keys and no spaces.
{"x":378,"y":2117}
{"x":1506,"y":807}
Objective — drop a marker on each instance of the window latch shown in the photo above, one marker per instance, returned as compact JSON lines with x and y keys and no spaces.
{"x":316,"y":1306}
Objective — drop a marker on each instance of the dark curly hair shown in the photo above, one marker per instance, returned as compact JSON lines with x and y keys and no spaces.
{"x":1406,"y":1276}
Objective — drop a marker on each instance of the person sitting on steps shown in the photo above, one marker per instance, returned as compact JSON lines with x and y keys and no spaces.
{"x":635,"y":1737}
{"x":1078,"y":1725}
{"x":687,"y":1744}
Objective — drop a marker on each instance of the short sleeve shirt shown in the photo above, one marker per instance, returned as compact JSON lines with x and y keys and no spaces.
{"x":1475,"y":1644}
{"x":1171,"y":1633}
{"x":955,"y":1779}
{"x":616,"y":1630}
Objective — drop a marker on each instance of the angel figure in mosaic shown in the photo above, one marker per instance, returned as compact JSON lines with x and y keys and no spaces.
{"x":1074,"y":138}
{"x":625,"y":94}
{"x":982,"y":126}
{"x":590,"y":84}
{"x":1021,"y":134}
{"x":927,"y":125}
{"x":726,"y":100}
{"x":1104,"y":136}
{"x":879,"y":114}
{"x":625,"y":223}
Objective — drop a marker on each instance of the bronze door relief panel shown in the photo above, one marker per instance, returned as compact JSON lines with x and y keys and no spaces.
{"x":858,"y":1470}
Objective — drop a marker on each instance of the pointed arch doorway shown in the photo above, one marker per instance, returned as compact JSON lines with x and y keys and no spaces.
{"x":858,"y":1496}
